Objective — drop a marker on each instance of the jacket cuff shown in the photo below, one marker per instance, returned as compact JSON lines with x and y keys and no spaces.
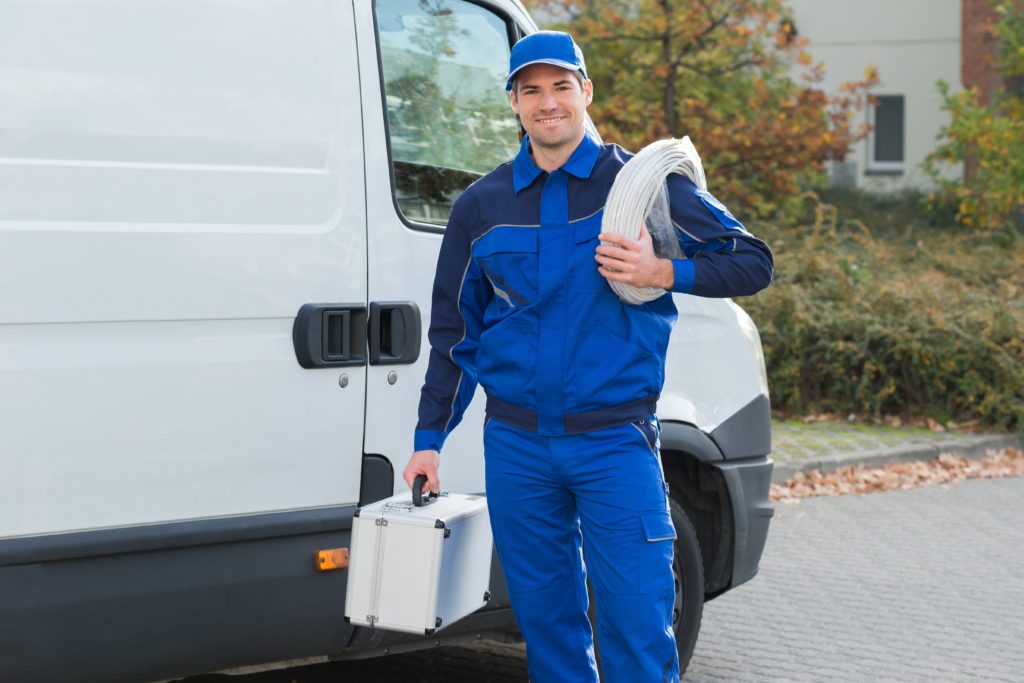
{"x":685,"y":275}
{"x":428,"y":440}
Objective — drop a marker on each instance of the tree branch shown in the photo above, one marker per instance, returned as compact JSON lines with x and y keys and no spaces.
{"x":717,"y":72}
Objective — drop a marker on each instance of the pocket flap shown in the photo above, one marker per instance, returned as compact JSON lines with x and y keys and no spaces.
{"x":658,"y":526}
{"x":588,"y":228}
{"x":506,"y":239}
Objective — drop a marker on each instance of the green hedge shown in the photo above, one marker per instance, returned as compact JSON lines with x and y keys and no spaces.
{"x":916,"y":322}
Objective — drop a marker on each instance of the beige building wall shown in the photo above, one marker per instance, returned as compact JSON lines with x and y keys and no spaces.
{"x":913,"y":43}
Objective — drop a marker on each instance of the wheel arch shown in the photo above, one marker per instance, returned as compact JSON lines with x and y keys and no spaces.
{"x":699,"y":486}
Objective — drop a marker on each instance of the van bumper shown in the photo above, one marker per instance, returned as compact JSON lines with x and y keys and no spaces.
{"x":748,"y":482}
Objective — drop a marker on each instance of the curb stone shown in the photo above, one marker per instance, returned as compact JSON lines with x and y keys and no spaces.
{"x":969,"y":447}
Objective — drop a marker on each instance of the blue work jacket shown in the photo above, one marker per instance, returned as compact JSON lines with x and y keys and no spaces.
{"x":519,"y":307}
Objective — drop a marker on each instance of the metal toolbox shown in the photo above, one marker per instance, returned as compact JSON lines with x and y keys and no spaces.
{"x":417,"y":569}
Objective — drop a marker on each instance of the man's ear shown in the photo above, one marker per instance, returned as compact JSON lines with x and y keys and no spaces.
{"x":588,"y":91}
{"x":513,"y":100}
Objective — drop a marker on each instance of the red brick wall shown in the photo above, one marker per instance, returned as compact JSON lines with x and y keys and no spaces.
{"x":978,"y":48}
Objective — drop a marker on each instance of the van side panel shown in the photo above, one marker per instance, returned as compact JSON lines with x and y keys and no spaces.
{"x":157,"y":614}
{"x":176,"y":180}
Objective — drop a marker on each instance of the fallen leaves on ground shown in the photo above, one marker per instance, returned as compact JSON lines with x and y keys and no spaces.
{"x":1007,"y":462}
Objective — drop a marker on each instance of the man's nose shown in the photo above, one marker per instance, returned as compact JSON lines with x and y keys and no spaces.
{"x":548,"y":101}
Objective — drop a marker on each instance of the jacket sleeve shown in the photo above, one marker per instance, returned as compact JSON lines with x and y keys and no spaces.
{"x":456,"y":320}
{"x":723,"y":258}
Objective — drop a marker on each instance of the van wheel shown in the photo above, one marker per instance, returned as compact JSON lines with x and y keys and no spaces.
{"x":688,"y":574}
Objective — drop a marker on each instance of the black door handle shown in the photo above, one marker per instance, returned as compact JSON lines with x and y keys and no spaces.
{"x":330,"y":335}
{"x":394,"y":332}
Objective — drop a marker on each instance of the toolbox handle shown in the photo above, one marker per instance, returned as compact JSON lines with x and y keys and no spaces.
{"x":417,"y":492}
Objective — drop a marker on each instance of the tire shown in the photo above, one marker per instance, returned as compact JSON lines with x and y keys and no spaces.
{"x":688,"y":576}
{"x":688,"y":573}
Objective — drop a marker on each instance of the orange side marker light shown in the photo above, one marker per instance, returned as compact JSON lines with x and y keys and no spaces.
{"x":333,"y":558}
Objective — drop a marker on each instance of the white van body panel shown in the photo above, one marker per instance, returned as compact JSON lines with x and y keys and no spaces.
{"x":402,"y":261}
{"x":162,"y":219}
{"x":177,"y":179}
{"x":714,"y":366}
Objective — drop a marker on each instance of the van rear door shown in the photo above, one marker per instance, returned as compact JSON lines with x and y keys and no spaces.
{"x":436,"y":117}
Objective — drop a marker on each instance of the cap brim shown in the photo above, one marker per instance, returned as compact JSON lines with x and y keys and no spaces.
{"x":568,"y":66}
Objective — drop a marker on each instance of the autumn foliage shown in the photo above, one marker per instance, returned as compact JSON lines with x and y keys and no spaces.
{"x":718,"y":71}
{"x":859,"y":479}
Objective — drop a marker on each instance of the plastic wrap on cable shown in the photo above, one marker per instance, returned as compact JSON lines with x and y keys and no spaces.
{"x":659,"y":224}
{"x":639,"y":195}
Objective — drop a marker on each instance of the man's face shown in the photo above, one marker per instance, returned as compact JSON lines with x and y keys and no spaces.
{"x":551,"y":104}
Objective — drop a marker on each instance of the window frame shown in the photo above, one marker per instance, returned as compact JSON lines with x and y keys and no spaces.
{"x":514,"y":33}
{"x":873,"y":166}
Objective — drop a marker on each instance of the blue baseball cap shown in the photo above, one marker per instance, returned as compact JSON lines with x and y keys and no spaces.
{"x":546,"y":47}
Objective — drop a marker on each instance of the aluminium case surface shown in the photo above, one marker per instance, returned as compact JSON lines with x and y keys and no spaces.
{"x":418,"y":569}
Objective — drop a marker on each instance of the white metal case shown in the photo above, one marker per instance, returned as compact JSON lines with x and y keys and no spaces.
{"x":418,"y":569}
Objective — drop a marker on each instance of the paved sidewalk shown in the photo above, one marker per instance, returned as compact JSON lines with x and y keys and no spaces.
{"x":918,"y":585}
{"x":800,"y":447}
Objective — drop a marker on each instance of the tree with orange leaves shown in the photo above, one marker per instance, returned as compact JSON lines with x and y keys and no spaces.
{"x":718,"y":71}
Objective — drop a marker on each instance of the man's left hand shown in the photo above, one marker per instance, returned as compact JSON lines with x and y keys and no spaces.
{"x":633,"y":261}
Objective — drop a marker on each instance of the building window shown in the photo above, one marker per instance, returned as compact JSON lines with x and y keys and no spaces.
{"x":886,"y":142}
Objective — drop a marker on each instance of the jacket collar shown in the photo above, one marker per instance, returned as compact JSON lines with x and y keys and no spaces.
{"x":580,"y":164}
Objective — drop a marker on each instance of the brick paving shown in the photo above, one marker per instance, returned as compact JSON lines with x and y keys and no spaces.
{"x":918,"y":585}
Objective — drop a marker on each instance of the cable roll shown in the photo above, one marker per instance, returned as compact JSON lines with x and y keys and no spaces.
{"x":640,"y":195}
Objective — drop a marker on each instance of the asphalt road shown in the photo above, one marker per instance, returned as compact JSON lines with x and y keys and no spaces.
{"x":919,"y":585}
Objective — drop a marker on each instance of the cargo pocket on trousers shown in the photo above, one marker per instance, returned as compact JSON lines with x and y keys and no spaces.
{"x":656,"y":552}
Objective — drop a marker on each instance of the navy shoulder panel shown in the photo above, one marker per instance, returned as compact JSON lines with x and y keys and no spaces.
{"x":497,"y":203}
{"x":587,"y":197}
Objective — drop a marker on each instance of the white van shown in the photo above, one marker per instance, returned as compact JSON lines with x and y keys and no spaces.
{"x":219,"y":221}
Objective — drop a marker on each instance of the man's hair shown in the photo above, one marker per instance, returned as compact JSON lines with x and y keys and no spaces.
{"x":515,"y":82}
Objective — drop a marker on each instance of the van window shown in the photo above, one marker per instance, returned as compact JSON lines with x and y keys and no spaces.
{"x":444,"y":66}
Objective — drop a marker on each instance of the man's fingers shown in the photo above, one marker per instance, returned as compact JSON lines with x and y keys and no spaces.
{"x":425,"y":463}
{"x":621,"y":240}
{"x":618,"y":253}
{"x":432,"y":483}
{"x":615,"y":275}
{"x":616,"y":264}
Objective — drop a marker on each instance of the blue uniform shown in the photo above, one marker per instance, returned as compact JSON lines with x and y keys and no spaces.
{"x":572,"y":376}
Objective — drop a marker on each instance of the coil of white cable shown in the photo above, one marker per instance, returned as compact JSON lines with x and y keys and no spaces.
{"x":640,"y":188}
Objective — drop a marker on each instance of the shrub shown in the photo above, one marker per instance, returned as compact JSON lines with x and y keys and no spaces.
{"x":918,"y":322}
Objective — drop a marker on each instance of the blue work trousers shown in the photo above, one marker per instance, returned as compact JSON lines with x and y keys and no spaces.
{"x":542,"y":492}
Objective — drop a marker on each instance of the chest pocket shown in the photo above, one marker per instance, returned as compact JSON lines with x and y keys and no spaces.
{"x":508,"y":259}
{"x":585,"y":277}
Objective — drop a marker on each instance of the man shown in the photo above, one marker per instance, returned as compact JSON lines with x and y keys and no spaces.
{"x":521,"y":304}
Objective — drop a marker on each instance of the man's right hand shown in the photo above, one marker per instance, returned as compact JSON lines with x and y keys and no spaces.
{"x":423,"y":462}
